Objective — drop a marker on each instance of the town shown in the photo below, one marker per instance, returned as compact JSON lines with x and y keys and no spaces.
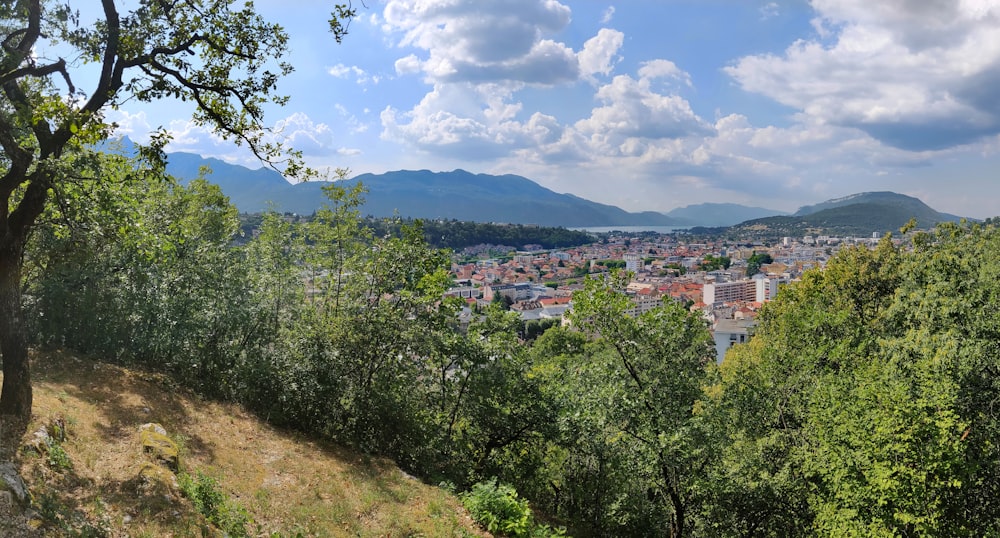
{"x":726,"y":281}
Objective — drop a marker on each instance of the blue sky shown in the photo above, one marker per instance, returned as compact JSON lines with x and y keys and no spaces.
{"x":648,"y":105}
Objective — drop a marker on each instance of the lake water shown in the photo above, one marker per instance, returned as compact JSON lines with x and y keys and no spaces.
{"x":627,"y":229}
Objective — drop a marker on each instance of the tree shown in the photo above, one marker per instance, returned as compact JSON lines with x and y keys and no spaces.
{"x":713,"y":263}
{"x":756,"y":260}
{"x":224,"y":59}
{"x":643,"y":399}
{"x":144,"y":271}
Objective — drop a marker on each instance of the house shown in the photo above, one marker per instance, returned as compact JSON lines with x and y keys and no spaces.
{"x":729,"y":332}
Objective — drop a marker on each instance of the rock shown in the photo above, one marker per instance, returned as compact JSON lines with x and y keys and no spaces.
{"x":152,"y":426}
{"x":11,"y":482}
{"x":156,"y":443}
{"x":45,"y":436}
{"x":155,"y":480}
{"x":39,"y":441}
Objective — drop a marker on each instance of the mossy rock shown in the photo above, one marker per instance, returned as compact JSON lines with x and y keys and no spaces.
{"x":155,"y":480}
{"x":162,"y":448}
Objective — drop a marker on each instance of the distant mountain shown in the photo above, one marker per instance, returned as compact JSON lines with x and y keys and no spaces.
{"x":856,"y":215}
{"x":713,"y":214}
{"x":457,"y":195}
{"x":905,"y":204}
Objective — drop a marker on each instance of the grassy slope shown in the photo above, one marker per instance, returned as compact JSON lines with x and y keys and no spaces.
{"x":288,"y":483}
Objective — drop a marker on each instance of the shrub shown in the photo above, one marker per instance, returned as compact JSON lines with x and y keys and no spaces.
{"x":212,"y":503}
{"x":498,"y":509}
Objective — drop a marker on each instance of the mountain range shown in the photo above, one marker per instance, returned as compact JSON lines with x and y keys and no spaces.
{"x":459,"y":195}
{"x":462,"y":195}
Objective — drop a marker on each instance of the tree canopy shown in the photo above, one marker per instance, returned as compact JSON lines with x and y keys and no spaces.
{"x":218,"y":55}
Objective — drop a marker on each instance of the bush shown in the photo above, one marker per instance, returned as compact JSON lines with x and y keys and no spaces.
{"x":499,"y":510}
{"x":215,"y":505}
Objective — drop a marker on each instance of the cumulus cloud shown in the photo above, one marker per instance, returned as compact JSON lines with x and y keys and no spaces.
{"x":633,"y":110}
{"x":633,"y":119}
{"x":913,"y":74}
{"x":655,"y":69}
{"x":468,"y":40}
{"x":408,"y":65}
{"x":133,"y":125}
{"x":600,"y":52}
{"x":468,"y":121}
{"x":302,"y":133}
{"x":481,"y":63}
{"x":360,"y":75}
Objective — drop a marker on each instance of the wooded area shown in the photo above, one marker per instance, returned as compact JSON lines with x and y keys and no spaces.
{"x":862,"y":404}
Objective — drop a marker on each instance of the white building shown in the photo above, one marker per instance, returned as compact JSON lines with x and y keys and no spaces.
{"x":729,"y":332}
{"x":632,"y":262}
{"x":729,"y":292}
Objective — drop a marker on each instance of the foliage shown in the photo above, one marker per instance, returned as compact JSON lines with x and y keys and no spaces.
{"x":756,"y":260}
{"x":498,"y":509}
{"x":214,"y":504}
{"x":611,"y":264}
{"x":636,"y":397}
{"x":143,"y":269}
{"x":225,"y":59}
{"x":457,"y":235}
{"x":860,"y":395}
{"x":862,"y":406}
{"x":56,"y":455}
{"x":714,"y":263}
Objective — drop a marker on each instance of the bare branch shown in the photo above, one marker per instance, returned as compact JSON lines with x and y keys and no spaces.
{"x":40,"y":71}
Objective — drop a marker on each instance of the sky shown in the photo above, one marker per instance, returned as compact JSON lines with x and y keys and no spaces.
{"x":643,"y":104}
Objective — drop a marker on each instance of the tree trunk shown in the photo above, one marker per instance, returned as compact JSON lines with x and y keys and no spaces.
{"x":15,"y":396}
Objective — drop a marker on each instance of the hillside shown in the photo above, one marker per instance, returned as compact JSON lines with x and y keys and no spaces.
{"x":716,"y":214}
{"x":857,"y":215}
{"x":288,"y":484}
{"x":897,"y":204}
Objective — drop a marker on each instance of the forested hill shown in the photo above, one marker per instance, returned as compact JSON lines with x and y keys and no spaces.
{"x":457,"y":235}
{"x":858,"y":215}
{"x":908,"y":204}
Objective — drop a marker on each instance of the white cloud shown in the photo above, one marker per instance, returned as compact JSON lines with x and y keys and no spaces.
{"x":608,"y":14}
{"x":303,"y":134}
{"x":297,"y":131}
{"x":468,"y":121}
{"x":633,"y":110}
{"x":408,"y":65}
{"x":663,"y":69}
{"x":360,"y":75}
{"x":913,"y":74}
{"x":600,"y":52}
{"x":468,"y":40}
{"x":769,"y":10}
{"x":135,"y":125}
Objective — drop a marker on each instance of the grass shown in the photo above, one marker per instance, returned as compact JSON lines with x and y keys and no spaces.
{"x":288,"y":484}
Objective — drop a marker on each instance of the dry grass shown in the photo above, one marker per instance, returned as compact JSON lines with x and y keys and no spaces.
{"x":289,"y":484}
